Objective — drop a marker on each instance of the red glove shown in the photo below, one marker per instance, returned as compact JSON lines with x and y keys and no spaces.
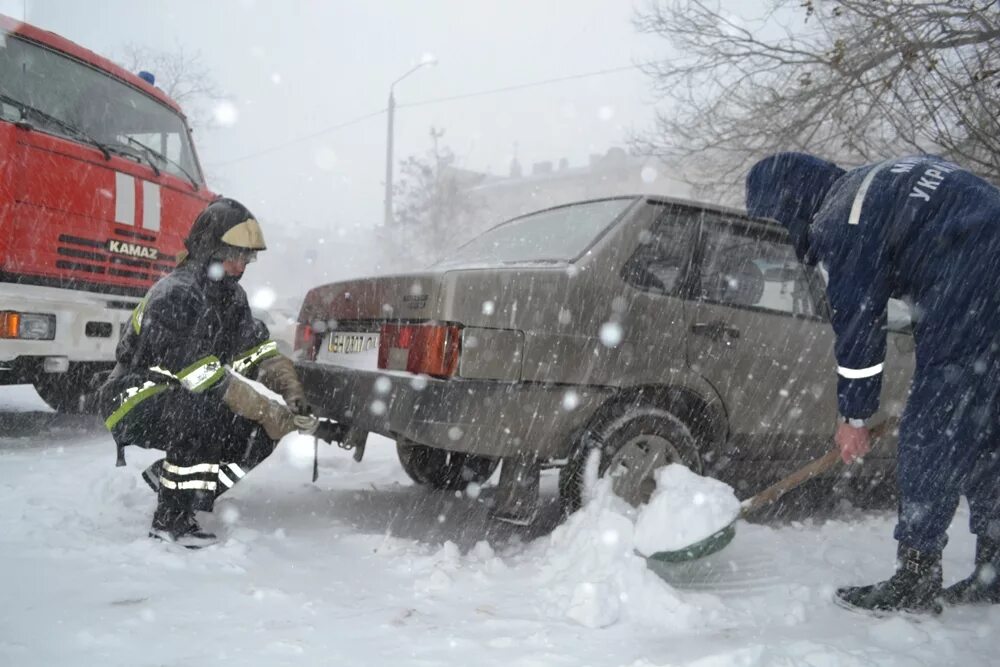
{"x":854,"y":442}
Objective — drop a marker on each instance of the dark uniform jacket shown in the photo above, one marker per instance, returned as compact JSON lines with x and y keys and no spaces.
{"x":918,"y":228}
{"x":182,"y":335}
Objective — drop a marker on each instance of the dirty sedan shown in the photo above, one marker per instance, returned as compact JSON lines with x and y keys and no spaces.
{"x":645,"y":329}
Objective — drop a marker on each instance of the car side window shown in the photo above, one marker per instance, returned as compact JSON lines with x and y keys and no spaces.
{"x":662,"y":258}
{"x":745,"y":267}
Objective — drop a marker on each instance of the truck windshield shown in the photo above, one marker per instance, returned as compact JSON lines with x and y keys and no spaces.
{"x":556,"y":235}
{"x":68,"y":94}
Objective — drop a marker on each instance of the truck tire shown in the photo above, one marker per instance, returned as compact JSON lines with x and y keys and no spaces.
{"x":630,"y":444}
{"x":67,"y":392}
{"x":442,"y":469}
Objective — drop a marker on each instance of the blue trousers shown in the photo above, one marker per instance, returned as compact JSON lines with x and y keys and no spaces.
{"x":948,"y":447}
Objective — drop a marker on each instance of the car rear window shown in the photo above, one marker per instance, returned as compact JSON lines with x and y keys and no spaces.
{"x":555,"y":235}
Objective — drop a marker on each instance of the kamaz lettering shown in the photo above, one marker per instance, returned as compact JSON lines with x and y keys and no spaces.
{"x":132,"y":250}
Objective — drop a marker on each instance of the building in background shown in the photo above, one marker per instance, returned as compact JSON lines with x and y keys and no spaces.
{"x":616,"y":172}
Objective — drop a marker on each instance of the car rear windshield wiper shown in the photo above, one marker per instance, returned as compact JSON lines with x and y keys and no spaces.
{"x":69,"y":128}
{"x":164,"y":158}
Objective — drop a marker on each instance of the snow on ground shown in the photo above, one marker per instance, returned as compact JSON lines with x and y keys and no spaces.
{"x":364,"y":568}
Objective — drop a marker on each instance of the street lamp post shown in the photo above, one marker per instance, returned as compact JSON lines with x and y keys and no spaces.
{"x":391,"y":109}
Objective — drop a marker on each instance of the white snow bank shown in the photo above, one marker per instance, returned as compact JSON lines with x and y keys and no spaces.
{"x":591,"y":574}
{"x":684,"y":509}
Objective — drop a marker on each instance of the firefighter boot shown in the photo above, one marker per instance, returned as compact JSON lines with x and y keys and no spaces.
{"x":914,"y":588}
{"x":177,"y":525}
{"x":983,"y":585}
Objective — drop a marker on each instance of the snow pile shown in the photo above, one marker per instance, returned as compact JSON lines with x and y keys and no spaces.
{"x":591,"y":574}
{"x":684,"y":509}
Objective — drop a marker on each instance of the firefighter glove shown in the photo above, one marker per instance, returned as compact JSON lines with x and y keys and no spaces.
{"x":247,"y":402}
{"x":279,"y":375}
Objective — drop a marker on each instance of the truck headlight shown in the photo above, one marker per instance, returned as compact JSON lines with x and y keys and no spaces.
{"x":27,"y":326}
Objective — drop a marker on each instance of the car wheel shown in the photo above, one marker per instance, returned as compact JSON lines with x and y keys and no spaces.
{"x":442,"y":469}
{"x":629,"y":446}
{"x":67,"y":392}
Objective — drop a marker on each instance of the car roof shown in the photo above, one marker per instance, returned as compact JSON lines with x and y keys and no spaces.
{"x":765,"y":223}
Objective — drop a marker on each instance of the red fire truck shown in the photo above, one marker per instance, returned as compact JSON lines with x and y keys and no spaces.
{"x":99,"y":183}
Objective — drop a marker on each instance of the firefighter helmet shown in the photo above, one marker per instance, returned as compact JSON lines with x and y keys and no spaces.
{"x":226,"y":228}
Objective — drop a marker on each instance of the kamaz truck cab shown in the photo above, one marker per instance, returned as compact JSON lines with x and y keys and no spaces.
{"x":99,"y":183}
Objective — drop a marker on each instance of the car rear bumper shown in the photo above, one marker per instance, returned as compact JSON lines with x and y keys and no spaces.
{"x":482,"y":417}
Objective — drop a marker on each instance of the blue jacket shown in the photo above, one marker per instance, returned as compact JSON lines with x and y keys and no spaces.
{"x":918,"y":228}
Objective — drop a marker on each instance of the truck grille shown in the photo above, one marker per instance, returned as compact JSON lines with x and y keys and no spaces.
{"x":100,"y":260}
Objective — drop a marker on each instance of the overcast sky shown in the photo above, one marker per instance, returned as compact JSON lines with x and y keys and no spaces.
{"x":294,"y":68}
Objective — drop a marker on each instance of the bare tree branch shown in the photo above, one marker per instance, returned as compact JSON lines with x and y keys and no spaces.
{"x":852,"y":80}
{"x":180,"y":74}
{"x":436,"y":210}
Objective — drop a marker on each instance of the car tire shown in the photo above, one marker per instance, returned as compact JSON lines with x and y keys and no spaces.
{"x":443,"y":469}
{"x":630,"y":444}
{"x":68,"y":392}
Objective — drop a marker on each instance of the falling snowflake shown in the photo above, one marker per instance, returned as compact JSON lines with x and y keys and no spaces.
{"x":263,"y":298}
{"x":225,"y":113}
{"x":570,"y":400}
{"x":611,"y":334}
{"x":324,"y":158}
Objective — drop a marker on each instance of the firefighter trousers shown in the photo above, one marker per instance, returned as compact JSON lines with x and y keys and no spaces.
{"x":208,"y":447}
{"x":948,"y":447}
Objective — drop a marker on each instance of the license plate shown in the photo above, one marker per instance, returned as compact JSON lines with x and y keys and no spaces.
{"x":352,"y":343}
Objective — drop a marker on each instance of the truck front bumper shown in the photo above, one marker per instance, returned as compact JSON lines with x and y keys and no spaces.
{"x":88,"y":325}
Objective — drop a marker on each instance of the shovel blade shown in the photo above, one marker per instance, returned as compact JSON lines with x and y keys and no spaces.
{"x":715,"y":542}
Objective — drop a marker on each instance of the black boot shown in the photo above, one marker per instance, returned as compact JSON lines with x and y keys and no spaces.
{"x":151,"y":475}
{"x":915,"y":587}
{"x":983,"y":585}
{"x":179,"y":527}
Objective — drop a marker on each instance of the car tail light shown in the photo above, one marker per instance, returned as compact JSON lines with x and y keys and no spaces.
{"x":306,"y":341}
{"x":27,"y":326}
{"x":431,"y":349}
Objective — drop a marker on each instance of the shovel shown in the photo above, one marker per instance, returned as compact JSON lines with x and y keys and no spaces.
{"x":718,"y":540}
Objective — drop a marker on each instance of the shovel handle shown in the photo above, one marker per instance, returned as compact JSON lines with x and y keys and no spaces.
{"x":805,"y":473}
{"x":783,"y":486}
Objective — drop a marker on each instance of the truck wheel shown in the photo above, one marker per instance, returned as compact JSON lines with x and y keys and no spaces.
{"x":442,"y":469}
{"x":629,"y":446}
{"x":66,"y":392}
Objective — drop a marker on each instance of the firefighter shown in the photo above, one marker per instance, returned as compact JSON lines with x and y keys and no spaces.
{"x":925,"y":230}
{"x":178,"y":385}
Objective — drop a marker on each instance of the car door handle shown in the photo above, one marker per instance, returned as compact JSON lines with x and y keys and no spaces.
{"x":715,"y":330}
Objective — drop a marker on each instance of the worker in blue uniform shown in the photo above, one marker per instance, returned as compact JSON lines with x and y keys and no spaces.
{"x":925,"y":230}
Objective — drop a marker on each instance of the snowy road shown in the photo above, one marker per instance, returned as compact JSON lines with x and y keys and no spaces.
{"x":363,"y":568}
